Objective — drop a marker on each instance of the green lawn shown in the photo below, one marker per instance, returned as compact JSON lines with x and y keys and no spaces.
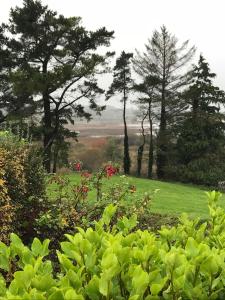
{"x":172,"y":198}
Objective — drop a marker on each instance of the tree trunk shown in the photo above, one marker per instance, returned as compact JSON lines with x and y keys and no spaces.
{"x":126,"y":159}
{"x":47,"y":135}
{"x":55,"y":159}
{"x":161,"y":144}
{"x":47,"y":126}
{"x":141,"y":147}
{"x":195,"y":107}
{"x":139,"y":159}
{"x":151,"y":149}
{"x":161,"y":139}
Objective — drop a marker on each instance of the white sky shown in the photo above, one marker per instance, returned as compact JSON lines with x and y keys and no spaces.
{"x":200,"y":21}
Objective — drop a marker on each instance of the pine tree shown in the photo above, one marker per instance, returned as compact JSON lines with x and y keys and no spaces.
{"x":201,"y":142}
{"x":58,"y":64}
{"x":122,"y":84}
{"x":164,"y":59}
{"x":12,"y":104}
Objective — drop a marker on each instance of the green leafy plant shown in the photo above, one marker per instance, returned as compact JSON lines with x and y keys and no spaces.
{"x":115,"y":261}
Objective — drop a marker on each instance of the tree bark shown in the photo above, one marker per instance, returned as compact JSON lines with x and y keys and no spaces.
{"x":141,"y":147}
{"x":161,"y":140}
{"x":151,"y":145}
{"x":55,"y":159}
{"x":126,"y":160}
{"x":139,"y":159}
{"x":47,"y":126}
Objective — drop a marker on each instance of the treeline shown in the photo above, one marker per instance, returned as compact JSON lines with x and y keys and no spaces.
{"x":50,"y":65}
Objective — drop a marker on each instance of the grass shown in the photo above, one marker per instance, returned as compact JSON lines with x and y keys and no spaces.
{"x":172,"y":198}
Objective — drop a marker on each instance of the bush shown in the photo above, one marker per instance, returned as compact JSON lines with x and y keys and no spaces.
{"x":186,"y":261}
{"x":113,"y":150}
{"x":22,"y":183}
{"x":91,"y":158}
{"x":202,"y":171}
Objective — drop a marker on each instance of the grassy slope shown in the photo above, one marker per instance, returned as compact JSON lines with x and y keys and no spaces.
{"x":172,"y":198}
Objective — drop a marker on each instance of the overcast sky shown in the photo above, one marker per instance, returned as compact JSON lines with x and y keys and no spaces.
{"x":200,"y":21}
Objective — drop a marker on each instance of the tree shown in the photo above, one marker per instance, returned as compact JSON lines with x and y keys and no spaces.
{"x":147,"y":100}
{"x":122,"y":84}
{"x":201,"y":137}
{"x":164,"y":59}
{"x":58,"y":63}
{"x":11,"y":104}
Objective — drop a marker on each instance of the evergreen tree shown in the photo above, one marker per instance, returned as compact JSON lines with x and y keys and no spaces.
{"x":12,"y":105}
{"x":164,"y":59}
{"x":122,"y":84}
{"x":58,"y":64}
{"x":201,"y":142}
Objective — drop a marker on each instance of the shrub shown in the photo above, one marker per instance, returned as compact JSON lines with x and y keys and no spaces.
{"x":186,"y":261}
{"x":91,"y":158}
{"x":200,"y":171}
{"x":22,"y":182}
{"x":113,"y":149}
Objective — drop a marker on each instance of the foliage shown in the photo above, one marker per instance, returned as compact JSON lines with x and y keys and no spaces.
{"x":58,"y":61}
{"x":22,"y":182}
{"x":69,"y":207}
{"x":164,"y":60}
{"x":11,"y":105}
{"x":117,"y":262}
{"x":6,"y":208}
{"x":112,"y":150}
{"x":200,"y":145}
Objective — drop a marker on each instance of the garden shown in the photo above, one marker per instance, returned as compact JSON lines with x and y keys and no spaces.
{"x":95,"y":236}
{"x":128,"y":206}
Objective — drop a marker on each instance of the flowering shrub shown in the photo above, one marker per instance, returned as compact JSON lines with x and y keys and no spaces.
{"x":75,"y":196}
{"x":110,"y":170}
{"x":81,"y":204}
{"x":186,"y":261}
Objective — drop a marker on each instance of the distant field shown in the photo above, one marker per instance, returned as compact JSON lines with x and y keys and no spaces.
{"x":94,"y":129}
{"x":172,"y":198}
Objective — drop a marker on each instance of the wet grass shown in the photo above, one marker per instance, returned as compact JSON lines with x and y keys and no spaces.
{"x":171,"y":198}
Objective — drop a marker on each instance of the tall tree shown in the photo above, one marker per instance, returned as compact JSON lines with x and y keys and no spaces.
{"x":122,"y":84}
{"x":147,"y":100}
{"x":59,"y":64}
{"x":201,"y":139}
{"x":11,"y":104}
{"x":164,"y":59}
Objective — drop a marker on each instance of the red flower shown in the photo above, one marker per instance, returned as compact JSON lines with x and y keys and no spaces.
{"x":110,"y":170}
{"x":77,"y":166}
